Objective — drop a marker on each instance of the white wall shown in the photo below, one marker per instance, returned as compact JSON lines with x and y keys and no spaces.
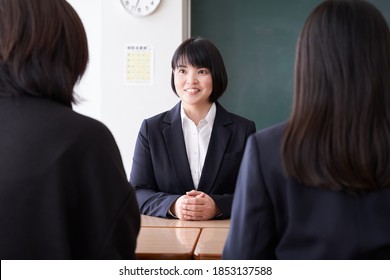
{"x":89,"y":89}
{"x":108,"y":97}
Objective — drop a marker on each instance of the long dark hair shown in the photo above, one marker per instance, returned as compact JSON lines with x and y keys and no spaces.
{"x":43,"y":49}
{"x":338,"y":136}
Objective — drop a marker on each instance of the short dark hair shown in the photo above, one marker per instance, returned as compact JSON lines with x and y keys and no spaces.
{"x":43,"y":49}
{"x":338,"y":136}
{"x":200,"y":52}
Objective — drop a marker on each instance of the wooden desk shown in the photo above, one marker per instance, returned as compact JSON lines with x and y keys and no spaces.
{"x":149,"y":221}
{"x":210,"y":244}
{"x":166,"y":243}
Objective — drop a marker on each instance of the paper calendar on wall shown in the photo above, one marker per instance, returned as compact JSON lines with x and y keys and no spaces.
{"x":139,"y":66}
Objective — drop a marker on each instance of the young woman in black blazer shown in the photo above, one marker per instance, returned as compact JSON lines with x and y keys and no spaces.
{"x":186,"y":160}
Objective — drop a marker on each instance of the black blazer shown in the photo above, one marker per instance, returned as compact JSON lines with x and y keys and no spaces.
{"x":275,"y":217}
{"x":64,"y":193}
{"x":161,"y":172}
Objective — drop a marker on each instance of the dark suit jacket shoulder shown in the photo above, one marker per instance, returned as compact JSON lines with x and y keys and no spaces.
{"x":63,"y":192}
{"x":160,"y":170}
{"x":276,"y":217}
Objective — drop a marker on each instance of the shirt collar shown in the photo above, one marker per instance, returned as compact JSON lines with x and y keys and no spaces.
{"x":210,"y":117}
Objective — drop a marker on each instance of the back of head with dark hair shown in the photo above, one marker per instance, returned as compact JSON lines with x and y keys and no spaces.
{"x":43,"y":49}
{"x":200,"y":52}
{"x":338,"y":136}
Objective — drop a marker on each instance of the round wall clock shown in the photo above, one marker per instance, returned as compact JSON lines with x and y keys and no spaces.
{"x":140,"y":8}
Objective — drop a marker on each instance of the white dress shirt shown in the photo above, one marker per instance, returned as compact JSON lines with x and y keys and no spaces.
{"x":197,"y":139}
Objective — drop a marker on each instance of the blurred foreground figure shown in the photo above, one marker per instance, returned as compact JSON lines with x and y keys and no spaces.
{"x":317,"y":186}
{"x":63,"y":189}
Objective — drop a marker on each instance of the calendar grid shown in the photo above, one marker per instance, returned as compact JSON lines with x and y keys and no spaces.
{"x":139,"y":66}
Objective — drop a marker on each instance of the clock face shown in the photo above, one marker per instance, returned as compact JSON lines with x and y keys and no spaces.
{"x":140,"y":8}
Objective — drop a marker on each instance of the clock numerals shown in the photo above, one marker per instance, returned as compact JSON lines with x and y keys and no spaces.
{"x":130,"y":8}
{"x":141,"y":7}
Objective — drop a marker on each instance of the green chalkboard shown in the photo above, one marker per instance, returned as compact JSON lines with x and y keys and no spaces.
{"x":257,"y":39}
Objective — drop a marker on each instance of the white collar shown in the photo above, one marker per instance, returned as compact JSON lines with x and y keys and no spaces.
{"x":210,"y":117}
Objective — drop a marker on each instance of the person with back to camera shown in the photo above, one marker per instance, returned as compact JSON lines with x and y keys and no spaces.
{"x":186,"y":160}
{"x":317,"y":187}
{"x":64,"y":193}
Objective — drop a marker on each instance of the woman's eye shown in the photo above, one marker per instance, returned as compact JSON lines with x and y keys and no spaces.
{"x":203,"y":71}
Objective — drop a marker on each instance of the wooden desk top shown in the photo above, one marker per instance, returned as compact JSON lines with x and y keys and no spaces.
{"x":210,"y":244}
{"x":166,"y":243}
{"x":149,"y":221}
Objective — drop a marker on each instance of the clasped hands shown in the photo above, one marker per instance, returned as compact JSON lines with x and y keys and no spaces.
{"x":195,"y":206}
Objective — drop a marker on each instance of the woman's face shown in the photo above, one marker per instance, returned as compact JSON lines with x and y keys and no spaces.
{"x":193,"y":85}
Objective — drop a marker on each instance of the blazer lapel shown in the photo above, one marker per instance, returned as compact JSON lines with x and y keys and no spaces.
{"x":219,"y":141}
{"x":174,"y":140}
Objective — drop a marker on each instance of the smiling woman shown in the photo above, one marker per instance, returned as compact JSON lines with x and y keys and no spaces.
{"x":194,"y":86}
{"x":186,"y":160}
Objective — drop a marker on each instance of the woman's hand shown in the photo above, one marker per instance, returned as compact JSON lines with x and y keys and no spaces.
{"x":195,"y":206}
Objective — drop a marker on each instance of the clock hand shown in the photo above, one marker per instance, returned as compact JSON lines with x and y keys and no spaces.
{"x":136,"y":5}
